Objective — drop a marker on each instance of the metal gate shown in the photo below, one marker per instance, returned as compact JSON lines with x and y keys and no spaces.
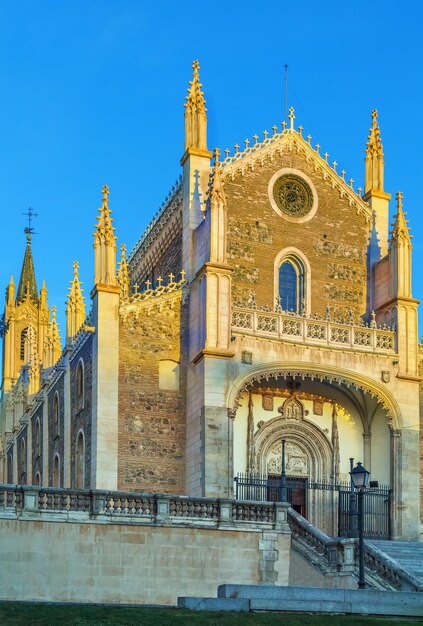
{"x":377,"y":501}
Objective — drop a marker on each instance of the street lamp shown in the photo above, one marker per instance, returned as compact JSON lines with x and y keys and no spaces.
{"x":284,"y":495}
{"x":360,"y":478}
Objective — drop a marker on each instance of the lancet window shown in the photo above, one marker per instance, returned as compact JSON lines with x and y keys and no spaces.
{"x":80,"y":461}
{"x":291,"y":284}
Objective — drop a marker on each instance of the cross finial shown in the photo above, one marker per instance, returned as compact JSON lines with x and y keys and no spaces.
{"x":300,"y":128}
{"x":265,"y":133}
{"x":284,"y":125}
{"x":226,"y":151}
{"x":236,"y":146}
{"x":291,"y":117}
{"x":274,"y":128}
{"x":29,"y":230}
{"x":334,"y":164}
{"x":182,"y":273}
{"x":343,"y":172}
{"x":136,"y":287}
{"x":247,"y":143}
{"x":351,"y":182}
{"x":160,"y":280}
{"x":317,"y":147}
{"x":308,"y":138}
{"x":326,"y":155}
{"x":255,"y":137}
{"x":171,"y":277}
{"x":148,"y":283}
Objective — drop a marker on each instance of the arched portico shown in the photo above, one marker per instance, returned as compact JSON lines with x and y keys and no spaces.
{"x":338,"y":415}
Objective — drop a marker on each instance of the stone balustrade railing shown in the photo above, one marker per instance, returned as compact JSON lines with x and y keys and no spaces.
{"x":340,"y":556}
{"x":314,"y":332}
{"x":60,"y":503}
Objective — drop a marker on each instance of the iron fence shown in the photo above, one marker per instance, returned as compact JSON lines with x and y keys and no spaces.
{"x":377,"y":501}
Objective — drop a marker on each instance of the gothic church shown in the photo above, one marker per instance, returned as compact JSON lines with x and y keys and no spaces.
{"x":267,"y":300}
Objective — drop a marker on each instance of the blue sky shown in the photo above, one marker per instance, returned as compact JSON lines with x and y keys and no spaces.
{"x":92,"y":93}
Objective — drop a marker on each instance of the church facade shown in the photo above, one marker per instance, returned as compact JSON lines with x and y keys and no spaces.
{"x":266,"y":301}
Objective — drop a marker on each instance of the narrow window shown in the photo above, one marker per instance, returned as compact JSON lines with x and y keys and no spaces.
{"x":37,"y":479}
{"x":22,"y":473}
{"x":56,"y":416}
{"x":80,"y":386}
{"x":37,"y":438}
{"x":291,"y":285}
{"x":80,"y":462}
{"x":56,"y":471}
{"x":24,"y":335}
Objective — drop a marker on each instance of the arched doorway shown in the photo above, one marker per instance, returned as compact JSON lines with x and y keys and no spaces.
{"x":325,"y":420}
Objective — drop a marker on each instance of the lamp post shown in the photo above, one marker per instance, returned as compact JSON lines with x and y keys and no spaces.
{"x":352,"y":526}
{"x":284,"y":495}
{"x":360,"y":478}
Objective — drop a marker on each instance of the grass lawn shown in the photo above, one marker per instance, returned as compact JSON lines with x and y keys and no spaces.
{"x":28,"y":614}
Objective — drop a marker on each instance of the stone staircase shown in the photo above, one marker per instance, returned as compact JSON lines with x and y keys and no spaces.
{"x":407,"y":554}
{"x":389,"y":565}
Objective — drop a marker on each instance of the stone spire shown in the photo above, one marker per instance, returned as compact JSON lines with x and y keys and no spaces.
{"x":400,"y":254}
{"x":27,"y":284}
{"x":75,"y":307}
{"x":216,"y":193}
{"x":374,"y":193}
{"x":217,"y":214}
{"x":400,"y":231}
{"x":10,"y":293}
{"x":104,"y":246}
{"x":195,"y":114}
{"x":52,"y":349}
{"x":123,"y":277}
{"x":374,"y":158}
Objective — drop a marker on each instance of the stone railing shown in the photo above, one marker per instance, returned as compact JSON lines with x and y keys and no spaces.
{"x":339,"y":556}
{"x":143,"y":508}
{"x":313,"y":332}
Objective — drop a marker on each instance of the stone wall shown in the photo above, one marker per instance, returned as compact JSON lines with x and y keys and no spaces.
{"x":81,"y":417}
{"x":334,"y":241}
{"x":180,"y":546}
{"x":37,"y":451}
{"x":151,"y":418}
{"x":56,"y":431}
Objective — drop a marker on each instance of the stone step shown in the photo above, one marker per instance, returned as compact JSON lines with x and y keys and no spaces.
{"x":308,"y":599}
{"x":214,"y":604}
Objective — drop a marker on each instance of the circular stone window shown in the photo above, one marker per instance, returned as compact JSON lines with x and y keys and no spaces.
{"x":292,"y":195}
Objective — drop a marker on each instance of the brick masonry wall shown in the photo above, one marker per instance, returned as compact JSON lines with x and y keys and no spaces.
{"x":334,"y":240}
{"x":82,"y":417}
{"x":37,"y":455}
{"x":152,"y":420}
{"x":170,"y":261}
{"x":56,"y":431}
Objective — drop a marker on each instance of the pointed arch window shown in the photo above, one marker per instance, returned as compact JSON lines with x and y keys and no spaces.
{"x":24,"y":335}
{"x":80,"y":461}
{"x":80,"y":384}
{"x":56,"y":471}
{"x":22,"y":473}
{"x":291,"y":285}
{"x":56,"y":413}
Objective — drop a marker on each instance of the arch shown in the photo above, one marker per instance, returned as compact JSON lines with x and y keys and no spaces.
{"x":293,"y":260}
{"x":23,"y":337}
{"x":314,"y":371}
{"x":56,"y":413}
{"x":37,"y":479}
{"x":80,"y":384}
{"x":80,"y":460}
{"x":10,"y":468}
{"x":56,"y":471}
{"x":22,"y":464}
{"x":37,"y":437}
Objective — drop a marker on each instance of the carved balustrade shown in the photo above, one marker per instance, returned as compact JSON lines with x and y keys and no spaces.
{"x":315,"y":332}
{"x":145,"y":508}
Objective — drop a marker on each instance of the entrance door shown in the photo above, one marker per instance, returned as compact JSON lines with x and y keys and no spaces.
{"x":296,"y":491}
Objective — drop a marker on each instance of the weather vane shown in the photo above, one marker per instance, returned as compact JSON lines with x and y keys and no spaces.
{"x":29,"y":230}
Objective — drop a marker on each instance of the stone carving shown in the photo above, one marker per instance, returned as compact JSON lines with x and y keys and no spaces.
{"x":338,"y":249}
{"x":317,"y":407}
{"x":239,"y":250}
{"x":267,"y":402}
{"x":292,"y":409}
{"x":293,"y":195}
{"x":240,"y":296}
{"x":296,"y":462}
{"x":386,"y":376}
{"x":348,"y":294}
{"x":345,"y":272}
{"x":247,"y":357}
{"x":250,"y":231}
{"x":246,"y":274}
